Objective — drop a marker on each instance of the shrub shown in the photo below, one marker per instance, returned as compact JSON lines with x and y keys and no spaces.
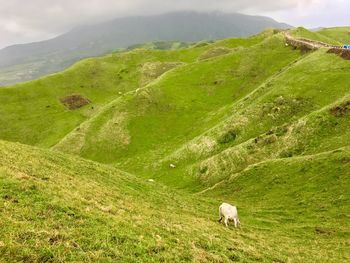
{"x":227,"y":137}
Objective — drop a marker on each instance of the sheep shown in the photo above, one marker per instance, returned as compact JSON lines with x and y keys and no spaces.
{"x":229,"y":212}
{"x":172,"y":165}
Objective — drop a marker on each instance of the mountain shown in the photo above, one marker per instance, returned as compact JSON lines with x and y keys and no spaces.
{"x":29,"y":61}
{"x":127,"y":157}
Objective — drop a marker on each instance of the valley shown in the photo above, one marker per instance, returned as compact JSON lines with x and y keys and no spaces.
{"x":128,"y":156}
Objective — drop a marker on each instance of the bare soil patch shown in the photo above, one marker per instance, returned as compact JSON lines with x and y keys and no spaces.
{"x":75,"y":101}
{"x":344,"y":53}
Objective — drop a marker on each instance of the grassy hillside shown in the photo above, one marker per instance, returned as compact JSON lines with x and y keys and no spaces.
{"x":54,"y":204}
{"x":301,"y":32}
{"x":341,"y":34}
{"x":191,"y":107}
{"x":252,"y":122}
{"x":282,"y":118}
{"x":303,"y":196}
{"x":188,"y":116}
{"x":32,"y":70}
{"x":61,"y":208}
{"x":27,"y":108}
{"x":177,"y":107}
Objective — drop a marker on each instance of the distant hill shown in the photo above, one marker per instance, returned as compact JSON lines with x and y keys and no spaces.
{"x":28,"y":61}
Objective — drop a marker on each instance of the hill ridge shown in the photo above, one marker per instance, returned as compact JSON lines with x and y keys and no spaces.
{"x":267,"y":161}
{"x":110,"y":105}
{"x":242,"y":146}
{"x":260,"y":88}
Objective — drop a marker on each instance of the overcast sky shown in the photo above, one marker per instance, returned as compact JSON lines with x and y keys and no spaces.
{"x":24,"y":21}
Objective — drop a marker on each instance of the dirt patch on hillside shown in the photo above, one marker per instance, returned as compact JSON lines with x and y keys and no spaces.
{"x":341,"y":110}
{"x":74,"y":102}
{"x":344,"y":53}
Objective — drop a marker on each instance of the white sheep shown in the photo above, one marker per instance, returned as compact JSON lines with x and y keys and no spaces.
{"x":229,"y":212}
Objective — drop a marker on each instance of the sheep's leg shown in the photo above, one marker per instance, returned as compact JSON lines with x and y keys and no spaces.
{"x":220,"y":219}
{"x":235,"y":220}
{"x":226,"y":220}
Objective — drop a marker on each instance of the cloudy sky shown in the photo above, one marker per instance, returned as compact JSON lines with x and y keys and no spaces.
{"x":24,"y":21}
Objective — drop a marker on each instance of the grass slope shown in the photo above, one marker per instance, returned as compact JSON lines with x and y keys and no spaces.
{"x":54,"y":204}
{"x":301,"y":32}
{"x":270,"y":122}
{"x":247,"y":121}
{"x":159,"y":118}
{"x":249,"y":94}
{"x":27,"y":108}
{"x":62,"y":208}
{"x":341,"y":34}
{"x":303,"y":196}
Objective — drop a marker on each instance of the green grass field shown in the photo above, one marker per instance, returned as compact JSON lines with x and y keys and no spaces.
{"x":341,"y":34}
{"x":252,"y":122}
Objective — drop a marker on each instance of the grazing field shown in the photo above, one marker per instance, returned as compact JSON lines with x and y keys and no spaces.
{"x":127,"y":157}
{"x":57,"y":207}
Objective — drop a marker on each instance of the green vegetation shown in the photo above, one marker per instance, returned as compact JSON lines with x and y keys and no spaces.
{"x":335,"y":36}
{"x":301,"y":32}
{"x":341,"y":34}
{"x":161,"y":45}
{"x":161,"y":117}
{"x":27,"y":108}
{"x":252,"y":122}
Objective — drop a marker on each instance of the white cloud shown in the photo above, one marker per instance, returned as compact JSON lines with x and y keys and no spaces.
{"x":317,"y":13}
{"x":30,"y":20}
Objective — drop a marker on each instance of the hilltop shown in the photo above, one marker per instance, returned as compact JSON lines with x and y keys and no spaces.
{"x":335,"y":35}
{"x":250,"y":121}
